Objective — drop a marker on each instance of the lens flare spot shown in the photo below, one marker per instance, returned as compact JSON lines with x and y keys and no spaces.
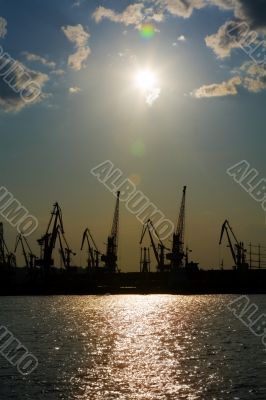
{"x":135,"y":178}
{"x":138,"y":148}
{"x":147,"y":31}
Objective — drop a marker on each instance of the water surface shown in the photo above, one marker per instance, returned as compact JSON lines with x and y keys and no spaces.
{"x":155,"y":347}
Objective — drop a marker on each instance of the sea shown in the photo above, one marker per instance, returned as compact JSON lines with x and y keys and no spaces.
{"x":133,"y":347}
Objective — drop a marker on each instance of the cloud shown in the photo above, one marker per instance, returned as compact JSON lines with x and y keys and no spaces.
{"x":3,"y":30}
{"x":252,"y":11}
{"x":134,"y":14}
{"x":227,"y":88}
{"x":15,"y":93}
{"x":40,"y":59}
{"x":182,"y":8}
{"x":251,"y":77}
{"x":58,"y":72}
{"x":181,"y":38}
{"x":254,"y":77}
{"x":77,"y":60}
{"x":74,"y":90}
{"x":77,"y":35}
{"x":228,"y":37}
{"x":152,"y":96}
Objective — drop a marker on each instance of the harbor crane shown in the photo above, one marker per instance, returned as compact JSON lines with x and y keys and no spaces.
{"x":47,"y":242}
{"x":93,"y":252}
{"x":158,"y":253}
{"x":6,"y":257}
{"x":110,"y":258}
{"x":237,"y":248}
{"x":178,"y":254}
{"x":29,"y":257}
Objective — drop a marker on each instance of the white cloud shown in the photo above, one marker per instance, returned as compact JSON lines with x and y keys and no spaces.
{"x":3,"y":30}
{"x":134,"y":14}
{"x":40,"y":59}
{"x":152,"y":96}
{"x":228,"y":37}
{"x":77,"y":35}
{"x":181,"y":38}
{"x":58,"y":72}
{"x":182,"y":8}
{"x":74,"y":90}
{"x":16,"y":77}
{"x":227,"y":88}
{"x":77,"y":60}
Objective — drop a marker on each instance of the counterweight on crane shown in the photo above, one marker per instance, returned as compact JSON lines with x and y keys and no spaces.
{"x":93,"y":252}
{"x":110,"y":258}
{"x":237,"y":249}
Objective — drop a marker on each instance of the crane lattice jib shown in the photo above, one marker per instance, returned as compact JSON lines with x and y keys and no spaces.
{"x":180,"y":228}
{"x":115,"y":225}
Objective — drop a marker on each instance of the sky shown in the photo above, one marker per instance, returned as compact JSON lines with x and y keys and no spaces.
{"x":172,"y":92}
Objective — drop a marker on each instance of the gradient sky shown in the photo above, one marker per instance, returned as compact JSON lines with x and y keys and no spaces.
{"x":207,"y":113}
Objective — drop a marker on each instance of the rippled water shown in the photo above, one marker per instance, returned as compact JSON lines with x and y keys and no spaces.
{"x":133,"y":348}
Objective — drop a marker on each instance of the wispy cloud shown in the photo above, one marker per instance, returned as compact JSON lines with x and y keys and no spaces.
{"x":58,"y":72}
{"x":40,"y":59}
{"x":77,"y":35}
{"x":182,"y":8}
{"x":74,"y":90}
{"x":134,"y":14}
{"x":181,"y":38}
{"x":17,"y":73}
{"x":152,"y":96}
{"x":227,"y":88}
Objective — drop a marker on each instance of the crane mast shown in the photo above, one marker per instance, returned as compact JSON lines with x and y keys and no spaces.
{"x":110,"y":258}
{"x":178,"y":253}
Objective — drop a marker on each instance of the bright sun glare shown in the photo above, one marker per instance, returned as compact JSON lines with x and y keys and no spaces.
{"x":145,"y":79}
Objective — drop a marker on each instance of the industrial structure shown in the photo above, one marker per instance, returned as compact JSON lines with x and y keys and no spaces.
{"x":29,"y":257}
{"x":174,"y":271}
{"x":159,"y":250}
{"x":236,"y":247}
{"x":110,"y":257}
{"x":177,"y":255}
{"x":47,"y":242}
{"x":7,"y":258}
{"x":93,"y":252}
{"x":145,"y":261}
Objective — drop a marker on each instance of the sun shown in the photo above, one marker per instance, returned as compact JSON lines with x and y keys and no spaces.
{"x":145,"y":79}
